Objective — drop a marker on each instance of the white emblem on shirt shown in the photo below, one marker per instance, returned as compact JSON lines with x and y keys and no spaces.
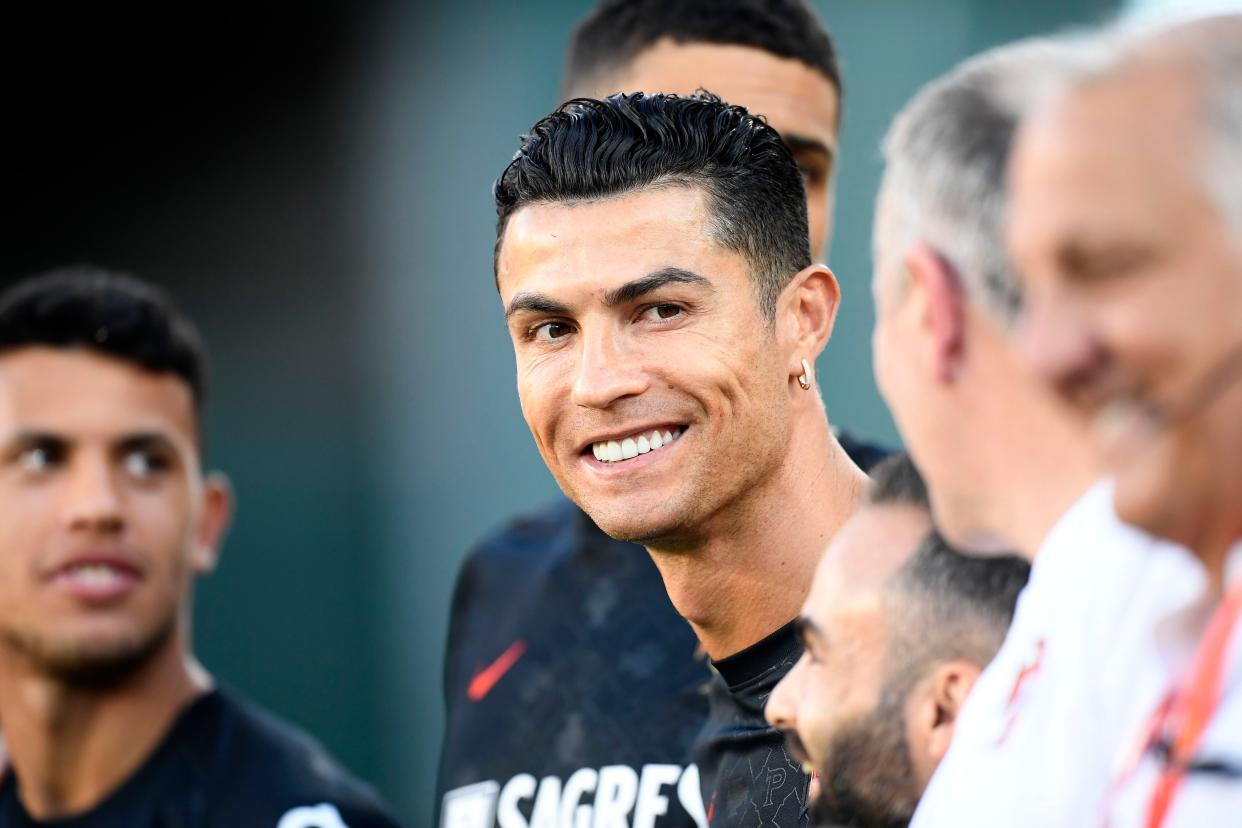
{"x":312,"y":816}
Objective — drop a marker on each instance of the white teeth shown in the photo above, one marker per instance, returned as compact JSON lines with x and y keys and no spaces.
{"x":94,"y":574}
{"x":611,"y":451}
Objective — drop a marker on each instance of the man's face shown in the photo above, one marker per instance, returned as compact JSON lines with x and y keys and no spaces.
{"x":99,"y":506}
{"x":841,"y":706}
{"x":631,"y":325}
{"x":1134,"y":292}
{"x":796,"y":100}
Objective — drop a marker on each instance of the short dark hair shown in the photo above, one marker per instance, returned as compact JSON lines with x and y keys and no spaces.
{"x":896,"y":479}
{"x":616,"y":31}
{"x":592,"y":149}
{"x":945,"y":604}
{"x":112,"y":313}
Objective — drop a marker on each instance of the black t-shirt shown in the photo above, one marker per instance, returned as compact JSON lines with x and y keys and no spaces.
{"x":749,"y":778}
{"x":571,"y":684}
{"x":225,"y":763}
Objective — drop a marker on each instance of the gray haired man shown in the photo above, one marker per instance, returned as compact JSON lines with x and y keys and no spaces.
{"x":1005,"y":464}
{"x":1127,"y":225}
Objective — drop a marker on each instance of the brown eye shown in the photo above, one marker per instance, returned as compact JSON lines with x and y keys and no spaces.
{"x":39,"y":458}
{"x":143,"y":464}
{"x":663,"y":312}
{"x":549,"y":331}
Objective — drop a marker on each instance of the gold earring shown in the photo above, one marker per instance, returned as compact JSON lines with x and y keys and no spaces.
{"x":805,"y":379}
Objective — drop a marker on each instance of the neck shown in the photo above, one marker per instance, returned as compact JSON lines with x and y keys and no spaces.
{"x":748,"y":574}
{"x":72,"y":746}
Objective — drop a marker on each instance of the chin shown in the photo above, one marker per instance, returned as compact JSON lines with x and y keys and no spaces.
{"x":96,"y":658}
{"x":641,"y":531}
{"x":1163,"y":487}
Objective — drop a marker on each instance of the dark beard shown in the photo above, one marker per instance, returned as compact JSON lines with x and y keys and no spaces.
{"x":89,"y":668}
{"x":869,"y":780}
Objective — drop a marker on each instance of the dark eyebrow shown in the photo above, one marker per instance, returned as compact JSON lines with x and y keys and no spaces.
{"x":146,"y":441}
{"x":536,"y":302}
{"x":29,"y":439}
{"x":653,"y":281}
{"x":800,"y":143}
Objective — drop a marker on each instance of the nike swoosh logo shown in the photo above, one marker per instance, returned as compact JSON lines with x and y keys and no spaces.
{"x":486,"y":679}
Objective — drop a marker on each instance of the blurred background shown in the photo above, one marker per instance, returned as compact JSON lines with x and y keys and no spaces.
{"x":312,"y":182}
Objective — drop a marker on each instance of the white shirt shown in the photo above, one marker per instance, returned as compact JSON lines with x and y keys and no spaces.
{"x":1203,"y":799}
{"x":1035,"y":742}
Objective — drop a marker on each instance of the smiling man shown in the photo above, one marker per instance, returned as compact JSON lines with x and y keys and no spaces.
{"x":549,"y":612}
{"x":897,"y":628}
{"x":653,"y":263}
{"x":106,"y":520}
{"x":1127,"y":230}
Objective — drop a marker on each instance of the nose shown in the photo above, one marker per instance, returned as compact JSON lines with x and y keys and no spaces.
{"x":781,"y":711}
{"x":92,"y":501}
{"x":1055,"y":341}
{"x":605,"y":372}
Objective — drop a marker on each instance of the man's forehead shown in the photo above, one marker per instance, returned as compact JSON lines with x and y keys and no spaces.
{"x":1136,"y":130}
{"x":794,"y":97}
{"x":598,"y":242}
{"x":75,"y":389}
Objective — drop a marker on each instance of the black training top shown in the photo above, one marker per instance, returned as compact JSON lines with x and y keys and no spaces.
{"x":572,"y":686}
{"x":226,"y":763}
{"x":749,"y":778}
{"x":571,"y":683}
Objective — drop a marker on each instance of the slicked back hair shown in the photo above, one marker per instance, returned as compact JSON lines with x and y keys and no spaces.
{"x":591,"y":149}
{"x":944,"y":605}
{"x":617,"y":31}
{"x":110,"y":313}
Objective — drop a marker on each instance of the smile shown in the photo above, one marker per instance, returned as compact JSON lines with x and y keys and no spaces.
{"x":618,"y":451}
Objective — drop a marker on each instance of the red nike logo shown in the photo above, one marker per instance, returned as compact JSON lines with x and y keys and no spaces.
{"x":486,"y":679}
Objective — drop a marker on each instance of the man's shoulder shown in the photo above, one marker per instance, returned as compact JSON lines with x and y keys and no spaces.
{"x":262,"y":768}
{"x":553,"y":532}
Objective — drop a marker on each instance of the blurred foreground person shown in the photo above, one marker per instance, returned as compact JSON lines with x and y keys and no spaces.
{"x":1127,"y":229}
{"x":1007,"y":467}
{"x":653,"y":264}
{"x":551,"y":614}
{"x":106,"y":520}
{"x":897,"y":628}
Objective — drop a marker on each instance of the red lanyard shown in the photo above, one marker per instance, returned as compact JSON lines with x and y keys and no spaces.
{"x":1192,"y":705}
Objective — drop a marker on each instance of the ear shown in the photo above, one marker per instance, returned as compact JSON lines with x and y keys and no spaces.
{"x":948,"y":687}
{"x":805,"y":314}
{"x":214,"y":521}
{"x":939,"y":304}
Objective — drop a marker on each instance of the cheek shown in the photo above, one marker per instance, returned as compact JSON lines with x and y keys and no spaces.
{"x":27,"y":525}
{"x":162,"y":523}
{"x":539,"y":386}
